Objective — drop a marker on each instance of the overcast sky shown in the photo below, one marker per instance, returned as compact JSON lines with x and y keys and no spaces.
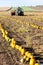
{"x":20,"y":2}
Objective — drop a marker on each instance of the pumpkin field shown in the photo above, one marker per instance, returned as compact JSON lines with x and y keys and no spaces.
{"x":27,"y":31}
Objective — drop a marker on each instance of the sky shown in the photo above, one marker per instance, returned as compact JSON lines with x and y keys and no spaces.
{"x":4,"y":3}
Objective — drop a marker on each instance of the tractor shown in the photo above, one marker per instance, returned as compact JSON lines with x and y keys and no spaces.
{"x":18,"y":12}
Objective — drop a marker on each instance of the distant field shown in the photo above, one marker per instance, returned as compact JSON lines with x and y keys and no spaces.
{"x":31,"y":8}
{"x":28,"y":9}
{"x":25,"y":8}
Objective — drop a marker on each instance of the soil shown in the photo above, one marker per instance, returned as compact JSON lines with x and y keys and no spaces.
{"x":25,"y":35}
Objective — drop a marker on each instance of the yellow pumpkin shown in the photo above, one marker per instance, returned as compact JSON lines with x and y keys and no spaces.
{"x":3,"y":34}
{"x":27,"y":53}
{"x":3,"y":31}
{"x":17,"y":47}
{"x":22,"y":51}
{"x":12,"y":45}
{"x":24,"y":57}
{"x":6,"y":38}
{"x":9,"y":40}
{"x":27,"y":59}
{"x":13,"y":40}
{"x":32,"y":62}
{"x":20,"y":48}
{"x":6,"y":32}
{"x":30,"y":55}
{"x":36,"y":63}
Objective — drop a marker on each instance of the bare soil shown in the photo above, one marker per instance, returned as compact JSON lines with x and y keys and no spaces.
{"x":25,"y":35}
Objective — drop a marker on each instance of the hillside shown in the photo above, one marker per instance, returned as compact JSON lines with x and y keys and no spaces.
{"x":25,"y":8}
{"x":39,"y":8}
